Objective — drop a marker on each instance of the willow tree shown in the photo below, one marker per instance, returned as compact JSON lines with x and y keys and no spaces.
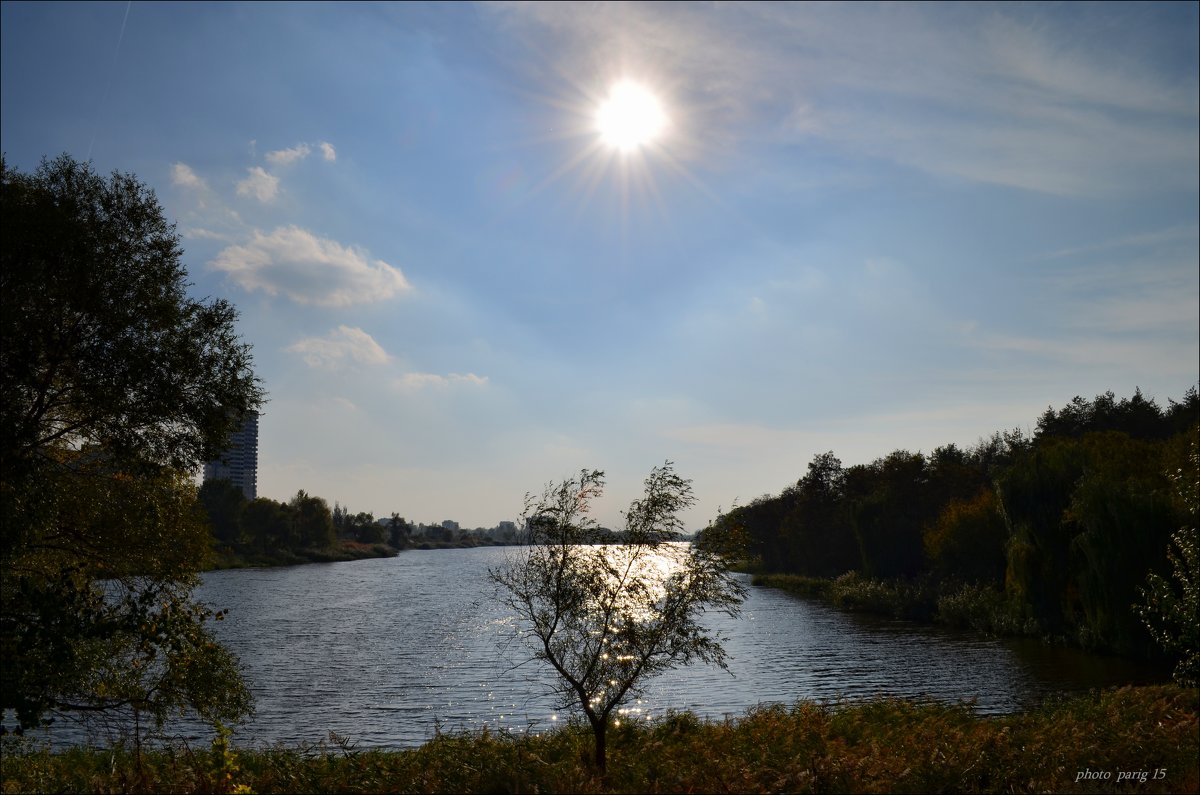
{"x":607,"y":617}
{"x":115,"y":385}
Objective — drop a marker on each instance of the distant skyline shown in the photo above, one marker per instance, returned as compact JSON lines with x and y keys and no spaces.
{"x":851,"y":227}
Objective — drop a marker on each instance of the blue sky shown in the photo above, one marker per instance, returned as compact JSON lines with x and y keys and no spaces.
{"x":863,"y":228}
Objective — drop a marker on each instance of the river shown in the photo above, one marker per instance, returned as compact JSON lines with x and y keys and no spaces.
{"x":386,"y":652}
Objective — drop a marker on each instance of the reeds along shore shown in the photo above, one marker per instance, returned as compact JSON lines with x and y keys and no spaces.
{"x":1143,"y":739}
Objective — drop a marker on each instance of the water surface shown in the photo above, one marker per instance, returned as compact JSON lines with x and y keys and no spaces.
{"x":388,"y":651}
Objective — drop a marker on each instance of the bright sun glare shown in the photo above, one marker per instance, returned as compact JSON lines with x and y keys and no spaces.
{"x":630,"y":117}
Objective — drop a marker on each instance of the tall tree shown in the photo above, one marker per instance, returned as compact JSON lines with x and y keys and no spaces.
{"x":313,"y":521}
{"x":606,"y":618}
{"x":818,"y":526}
{"x":268,"y":525}
{"x":398,"y":531}
{"x":223,"y":502}
{"x":115,"y":386}
{"x":892,"y":507}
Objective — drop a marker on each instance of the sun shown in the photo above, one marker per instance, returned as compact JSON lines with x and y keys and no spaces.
{"x":630,"y":117}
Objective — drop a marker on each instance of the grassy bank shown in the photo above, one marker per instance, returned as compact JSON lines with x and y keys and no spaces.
{"x":954,"y":604}
{"x":464,"y":544}
{"x":879,"y":746}
{"x":342,"y":550}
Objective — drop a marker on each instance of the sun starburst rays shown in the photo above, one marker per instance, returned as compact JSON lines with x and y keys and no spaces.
{"x":620,"y":142}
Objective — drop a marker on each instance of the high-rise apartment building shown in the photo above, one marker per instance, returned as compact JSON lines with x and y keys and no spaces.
{"x":239,"y":464}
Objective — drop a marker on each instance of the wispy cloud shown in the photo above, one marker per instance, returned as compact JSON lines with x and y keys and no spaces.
{"x":309,"y":269}
{"x":259,"y":184}
{"x":1174,"y":234}
{"x":415,"y":381}
{"x":200,"y":233}
{"x":1083,"y":353}
{"x":328,"y":152}
{"x":283,"y":157}
{"x":343,"y":344}
{"x":978,"y":94}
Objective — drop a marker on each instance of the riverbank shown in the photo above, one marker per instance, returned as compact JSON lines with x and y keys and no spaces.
{"x":1144,"y":740}
{"x":341,"y":551}
{"x":964,"y":606}
{"x":974,"y":606}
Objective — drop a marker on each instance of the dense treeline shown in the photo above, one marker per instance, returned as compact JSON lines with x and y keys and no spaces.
{"x":304,"y":527}
{"x":1056,"y":531}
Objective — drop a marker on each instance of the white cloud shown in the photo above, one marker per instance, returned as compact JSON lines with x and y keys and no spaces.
{"x":183,"y":176}
{"x":284,"y":157}
{"x":310,"y":269}
{"x":415,"y":381}
{"x":328,"y":152}
{"x":259,"y":184}
{"x":343,"y":344}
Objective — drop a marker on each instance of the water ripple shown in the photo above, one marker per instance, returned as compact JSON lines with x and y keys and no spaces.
{"x":387,"y":652}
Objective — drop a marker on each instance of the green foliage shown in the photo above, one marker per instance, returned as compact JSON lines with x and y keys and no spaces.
{"x":1089,"y":516}
{"x":1035,"y":493}
{"x":1135,"y":416}
{"x":312,"y":521}
{"x":891,"y":508}
{"x":97,"y":614}
{"x":399,"y":531}
{"x":267,"y":525}
{"x":819,"y":528}
{"x":1121,"y":514}
{"x":223,"y":502}
{"x":115,"y":386}
{"x":967,"y":540}
{"x":1068,"y":523}
{"x":981,"y":607}
{"x":984,"y":608}
{"x":360,"y":526}
{"x":900,"y":598}
{"x":100,"y":341}
{"x":1170,"y":608}
{"x":798,"y":584}
{"x":608,"y":617}
{"x":223,"y":769}
{"x":366,"y":530}
{"x":301,"y":530}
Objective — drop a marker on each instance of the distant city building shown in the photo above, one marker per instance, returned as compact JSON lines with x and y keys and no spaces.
{"x":450,"y":525}
{"x":239,"y":464}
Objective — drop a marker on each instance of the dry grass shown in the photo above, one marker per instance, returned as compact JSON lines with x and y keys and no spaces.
{"x":880,"y":746}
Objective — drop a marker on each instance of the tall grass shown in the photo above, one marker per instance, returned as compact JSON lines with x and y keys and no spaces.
{"x":880,"y":746}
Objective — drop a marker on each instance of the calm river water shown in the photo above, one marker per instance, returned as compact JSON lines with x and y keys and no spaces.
{"x":386,"y":651}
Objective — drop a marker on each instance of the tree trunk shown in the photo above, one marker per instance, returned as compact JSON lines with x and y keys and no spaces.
{"x":598,"y":729}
